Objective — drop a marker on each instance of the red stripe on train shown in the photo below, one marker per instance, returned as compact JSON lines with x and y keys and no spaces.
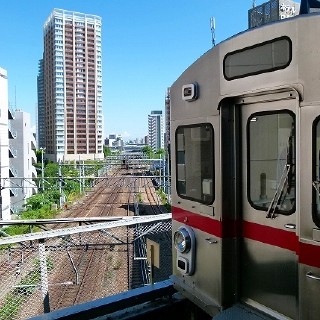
{"x":273,"y":236}
{"x":309,"y":254}
{"x":197,"y":221}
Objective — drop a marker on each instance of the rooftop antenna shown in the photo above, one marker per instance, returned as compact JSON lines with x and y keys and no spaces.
{"x":253,"y":3}
{"x":213,"y":30}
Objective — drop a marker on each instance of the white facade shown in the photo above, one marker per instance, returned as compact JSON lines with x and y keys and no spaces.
{"x":4,"y":147}
{"x":114,"y":141}
{"x":21,"y":165}
{"x":156,"y":130}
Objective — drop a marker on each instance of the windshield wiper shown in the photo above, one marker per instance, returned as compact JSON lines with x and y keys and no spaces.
{"x":281,"y":191}
{"x":286,"y":180}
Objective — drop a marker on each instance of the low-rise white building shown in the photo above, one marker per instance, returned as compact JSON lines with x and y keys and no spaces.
{"x":17,"y":155}
{"x":23,"y":145}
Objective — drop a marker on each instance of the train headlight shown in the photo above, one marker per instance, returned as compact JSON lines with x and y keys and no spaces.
{"x":185,"y":242}
{"x":182,"y":240}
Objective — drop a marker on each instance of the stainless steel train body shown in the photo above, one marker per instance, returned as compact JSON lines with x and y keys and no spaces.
{"x":245,"y":148}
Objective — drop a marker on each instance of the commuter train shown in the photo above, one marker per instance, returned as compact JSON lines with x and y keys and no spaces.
{"x":245,"y":150}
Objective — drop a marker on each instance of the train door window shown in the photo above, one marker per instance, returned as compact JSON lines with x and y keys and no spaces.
{"x":316,"y":172}
{"x":271,"y":161}
{"x":194,"y":165}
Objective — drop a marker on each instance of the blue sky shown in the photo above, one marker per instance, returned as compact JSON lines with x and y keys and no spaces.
{"x":146,"y":46}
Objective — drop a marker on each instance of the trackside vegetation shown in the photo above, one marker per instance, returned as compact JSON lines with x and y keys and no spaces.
{"x":59,"y":185}
{"x":62,"y":184}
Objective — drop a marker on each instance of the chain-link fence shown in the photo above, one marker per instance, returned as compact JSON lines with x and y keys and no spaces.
{"x":51,"y":273}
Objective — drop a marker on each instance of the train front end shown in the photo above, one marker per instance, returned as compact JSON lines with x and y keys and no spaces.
{"x":197,"y":244}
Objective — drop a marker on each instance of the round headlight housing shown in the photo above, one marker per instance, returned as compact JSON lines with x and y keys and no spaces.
{"x":182,"y":240}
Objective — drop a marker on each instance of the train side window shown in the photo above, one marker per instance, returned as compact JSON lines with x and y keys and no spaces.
{"x":316,"y":172}
{"x":271,"y":162}
{"x":195,"y":163}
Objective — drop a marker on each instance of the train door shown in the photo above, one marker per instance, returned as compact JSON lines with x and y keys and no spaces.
{"x":309,"y":248}
{"x":268,"y":260}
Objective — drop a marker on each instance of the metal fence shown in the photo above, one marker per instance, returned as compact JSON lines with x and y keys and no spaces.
{"x":42,"y":274}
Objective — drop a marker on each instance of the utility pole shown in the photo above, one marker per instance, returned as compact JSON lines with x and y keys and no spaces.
{"x":44,"y":276}
{"x":213,"y":31}
{"x":164,"y":173}
{"x":42,"y":169}
{"x":60,"y":185}
{"x":0,"y":190}
{"x":0,"y":180}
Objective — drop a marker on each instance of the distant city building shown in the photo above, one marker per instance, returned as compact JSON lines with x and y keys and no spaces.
{"x":271,"y":11}
{"x":4,"y":147}
{"x":167,"y":111}
{"x":72,"y":86}
{"x":155,"y":130}
{"x":23,"y":146}
{"x":133,"y":148}
{"x":114,"y":142}
{"x":136,"y":141}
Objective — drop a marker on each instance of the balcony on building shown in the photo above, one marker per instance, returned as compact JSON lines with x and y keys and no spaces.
{"x":12,"y":172}
{"x":10,"y":114}
{"x":33,"y":145}
{"x":33,"y":158}
{"x":12,"y":134}
{"x":13,"y":192}
{"x":12,"y":152}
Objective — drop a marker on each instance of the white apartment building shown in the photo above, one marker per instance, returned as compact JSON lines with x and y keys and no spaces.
{"x":4,"y":147}
{"x":22,"y":171}
{"x":156,"y":130}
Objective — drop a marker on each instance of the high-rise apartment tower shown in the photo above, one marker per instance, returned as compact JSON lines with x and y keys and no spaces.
{"x":72,"y":87}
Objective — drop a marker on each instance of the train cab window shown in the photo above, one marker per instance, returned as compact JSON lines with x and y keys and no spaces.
{"x":316,"y":172}
{"x":263,"y":57}
{"x":271,"y":162}
{"x":194,"y":163}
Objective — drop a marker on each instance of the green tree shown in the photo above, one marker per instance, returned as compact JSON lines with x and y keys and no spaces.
{"x":107,"y":151}
{"x":160,"y":153}
{"x":36,"y":201}
{"x":39,"y":155}
{"x":40,"y":200}
{"x":148,"y":151}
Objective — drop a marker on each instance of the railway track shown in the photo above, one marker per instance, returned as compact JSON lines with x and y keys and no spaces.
{"x":114,"y":196}
{"x":85,"y":269}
